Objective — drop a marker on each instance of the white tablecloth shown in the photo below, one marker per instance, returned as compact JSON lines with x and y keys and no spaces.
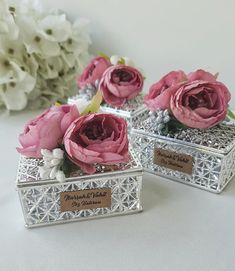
{"x":181,"y":228}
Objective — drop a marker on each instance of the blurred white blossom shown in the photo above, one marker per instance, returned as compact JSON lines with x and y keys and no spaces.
{"x":41,"y":54}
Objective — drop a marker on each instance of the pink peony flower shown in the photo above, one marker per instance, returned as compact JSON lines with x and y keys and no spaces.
{"x":160,"y":93}
{"x":120,"y":83}
{"x":97,"y":138}
{"x":93,"y":71}
{"x":200,"y":103}
{"x":46,"y":131}
{"x":201,"y":75}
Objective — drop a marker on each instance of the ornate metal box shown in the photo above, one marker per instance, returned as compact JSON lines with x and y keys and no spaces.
{"x":109,"y":192}
{"x":134,"y":111}
{"x":201,"y":158}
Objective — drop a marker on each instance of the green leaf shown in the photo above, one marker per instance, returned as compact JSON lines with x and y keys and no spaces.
{"x":121,"y":61}
{"x":94,"y":104}
{"x":68,"y":167}
{"x":165,"y":130}
{"x":104,"y":56}
{"x":231,"y":114}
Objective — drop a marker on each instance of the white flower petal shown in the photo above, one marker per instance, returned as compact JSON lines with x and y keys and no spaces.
{"x":44,"y":172}
{"x":60,"y":176}
{"x":55,"y":162}
{"x":46,"y":153}
{"x":8,"y":25}
{"x":68,"y":58}
{"x":14,"y":91}
{"x":14,"y":99}
{"x":49,"y":48}
{"x":34,"y":41}
{"x":3,"y":27}
{"x":128,"y":61}
{"x":9,"y":70}
{"x":27,"y":84}
{"x":114,"y":59}
{"x":58,"y":153}
{"x":53,"y":172}
{"x":58,"y":27}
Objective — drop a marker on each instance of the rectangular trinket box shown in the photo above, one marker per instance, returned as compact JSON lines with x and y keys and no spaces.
{"x":201,"y":158}
{"x":108,"y":192}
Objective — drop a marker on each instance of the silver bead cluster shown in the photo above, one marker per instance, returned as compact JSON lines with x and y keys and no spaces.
{"x":89,"y":90}
{"x":159,"y":118}
{"x":100,"y":168}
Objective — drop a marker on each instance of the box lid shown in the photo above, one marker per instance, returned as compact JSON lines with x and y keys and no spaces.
{"x":219,"y":139}
{"x":28,"y":171}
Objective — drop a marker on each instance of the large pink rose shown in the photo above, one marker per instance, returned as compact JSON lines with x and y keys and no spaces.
{"x":93,"y":71}
{"x":120,"y":83}
{"x":199,"y":103}
{"x":97,"y":138}
{"x":47,"y":130}
{"x":160,"y":93}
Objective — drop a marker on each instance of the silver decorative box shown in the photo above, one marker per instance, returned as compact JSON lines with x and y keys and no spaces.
{"x":108,"y":192}
{"x":133,"y":111}
{"x":201,"y":158}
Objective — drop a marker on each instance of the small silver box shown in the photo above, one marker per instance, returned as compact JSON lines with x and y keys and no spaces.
{"x":203,"y":158}
{"x":47,"y":202}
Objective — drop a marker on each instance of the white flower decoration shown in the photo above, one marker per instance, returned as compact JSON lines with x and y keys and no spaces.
{"x":117,"y":59}
{"x":52,"y":163}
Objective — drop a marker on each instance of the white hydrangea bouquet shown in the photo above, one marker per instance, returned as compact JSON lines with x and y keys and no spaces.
{"x":41,"y":54}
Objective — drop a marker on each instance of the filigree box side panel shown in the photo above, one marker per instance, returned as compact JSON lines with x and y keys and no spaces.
{"x":228,"y":169}
{"x":41,"y":203}
{"x":209,"y":169}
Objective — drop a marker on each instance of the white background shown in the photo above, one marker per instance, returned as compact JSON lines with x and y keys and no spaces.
{"x":181,"y":228}
{"x":162,"y":35}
